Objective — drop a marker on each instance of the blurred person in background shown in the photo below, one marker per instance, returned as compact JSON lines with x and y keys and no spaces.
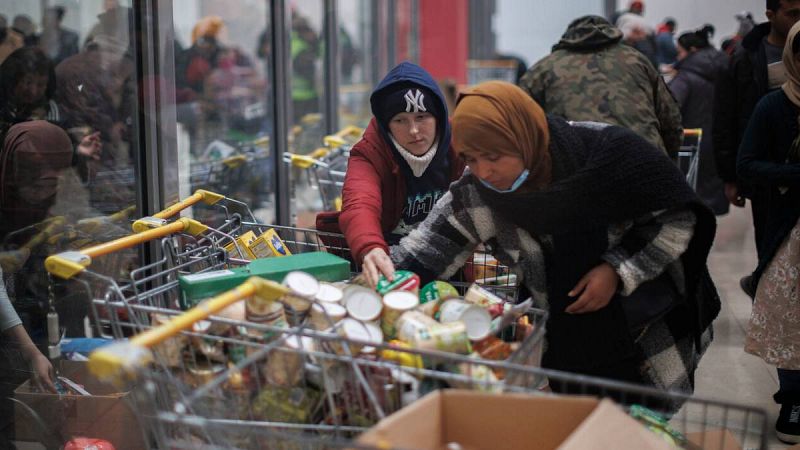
{"x":698,"y":66}
{"x":746,"y":24}
{"x":589,"y":216}
{"x":634,"y":7}
{"x":769,"y":158}
{"x":637,"y":33}
{"x":58,"y":42}
{"x":399,"y":169}
{"x":305,"y":51}
{"x":666,"y":52}
{"x":10,"y":40}
{"x":23,"y":24}
{"x":592,"y":76}
{"x":755,"y":69}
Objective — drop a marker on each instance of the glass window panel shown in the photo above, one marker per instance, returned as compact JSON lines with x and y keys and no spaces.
{"x":223,"y":102}
{"x":307,"y":43}
{"x":69,"y":174}
{"x":356,"y":41}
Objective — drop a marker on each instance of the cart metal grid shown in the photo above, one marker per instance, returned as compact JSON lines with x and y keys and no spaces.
{"x":301,"y":388}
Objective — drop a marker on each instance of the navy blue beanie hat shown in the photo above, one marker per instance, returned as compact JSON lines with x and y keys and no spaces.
{"x":406,"y":97}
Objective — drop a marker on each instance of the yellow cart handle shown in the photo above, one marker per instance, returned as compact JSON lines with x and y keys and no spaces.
{"x":115,"y":361}
{"x":337,"y":140}
{"x":68,"y":264}
{"x":693,"y":132}
{"x":299,"y":161}
{"x":157,"y":219}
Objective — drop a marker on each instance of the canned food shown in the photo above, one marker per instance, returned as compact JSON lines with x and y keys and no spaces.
{"x":437,"y":290}
{"x":362,"y":303}
{"x":201,"y":373}
{"x":476,"y":319}
{"x":401,"y":355}
{"x":410,"y":323}
{"x":447,"y":337}
{"x":329,"y":293}
{"x":396,"y":303}
{"x":284,"y":366}
{"x":479,"y":295}
{"x":403,"y":281}
{"x":352,"y":330}
{"x":302,"y":290}
{"x":264,"y":313}
{"x":325,"y":315}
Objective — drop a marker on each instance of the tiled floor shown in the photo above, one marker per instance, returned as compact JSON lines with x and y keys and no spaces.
{"x":726,"y":372}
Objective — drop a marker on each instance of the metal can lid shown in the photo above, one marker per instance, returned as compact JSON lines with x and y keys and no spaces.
{"x":329,"y":293}
{"x":363,"y":304}
{"x":333,"y":309}
{"x":401,"y":300}
{"x":476,"y":319}
{"x":301,"y":284}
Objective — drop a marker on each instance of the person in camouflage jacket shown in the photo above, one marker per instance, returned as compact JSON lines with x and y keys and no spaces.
{"x":592,"y":76}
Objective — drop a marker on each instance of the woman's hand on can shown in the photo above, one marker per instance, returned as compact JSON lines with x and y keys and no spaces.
{"x":377,"y":262}
{"x":594,"y":290}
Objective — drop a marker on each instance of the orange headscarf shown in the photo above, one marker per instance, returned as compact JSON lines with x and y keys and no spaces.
{"x":499,"y":117}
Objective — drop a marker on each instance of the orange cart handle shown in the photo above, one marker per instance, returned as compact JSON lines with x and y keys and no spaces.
{"x":157,"y":219}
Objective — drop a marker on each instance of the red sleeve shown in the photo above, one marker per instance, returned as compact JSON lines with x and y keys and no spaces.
{"x":362,"y":204}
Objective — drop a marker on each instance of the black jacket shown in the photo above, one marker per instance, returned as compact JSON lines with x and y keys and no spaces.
{"x":737,"y":91}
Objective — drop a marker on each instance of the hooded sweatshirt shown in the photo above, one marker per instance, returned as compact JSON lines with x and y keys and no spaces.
{"x":381,"y":197}
{"x":592,"y":76}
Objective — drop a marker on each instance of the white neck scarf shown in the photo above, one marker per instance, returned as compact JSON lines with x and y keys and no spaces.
{"x":418,"y":164}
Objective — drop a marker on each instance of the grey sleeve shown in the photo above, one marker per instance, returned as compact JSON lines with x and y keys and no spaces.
{"x":8,"y":316}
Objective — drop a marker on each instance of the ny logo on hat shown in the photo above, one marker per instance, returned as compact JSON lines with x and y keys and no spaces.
{"x":415,"y":99}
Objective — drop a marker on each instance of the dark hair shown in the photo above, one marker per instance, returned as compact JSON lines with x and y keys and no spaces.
{"x":59,"y":12}
{"x":669,"y":21}
{"x":23,"y":61}
{"x":796,"y":44}
{"x":695,"y":39}
{"x":773,"y":5}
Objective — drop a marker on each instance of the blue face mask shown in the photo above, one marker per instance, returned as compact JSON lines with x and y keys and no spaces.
{"x":517,"y":183}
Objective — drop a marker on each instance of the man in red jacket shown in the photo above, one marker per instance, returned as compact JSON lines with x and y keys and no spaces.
{"x":399,"y":169}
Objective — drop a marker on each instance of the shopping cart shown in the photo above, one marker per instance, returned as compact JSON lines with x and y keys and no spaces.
{"x":249,"y":385}
{"x":689,"y":154}
{"x":120,"y":303}
{"x":326,"y":166}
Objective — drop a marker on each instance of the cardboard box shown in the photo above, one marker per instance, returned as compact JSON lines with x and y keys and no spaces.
{"x":323,"y":266}
{"x":103,"y":415}
{"x":511,"y":422}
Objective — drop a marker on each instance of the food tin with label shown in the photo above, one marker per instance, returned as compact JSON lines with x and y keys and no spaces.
{"x":447,"y":337}
{"x":284,"y":365}
{"x":302,"y":290}
{"x":437,"y":290}
{"x":325,"y":315}
{"x":403,"y":281}
{"x":362,"y":303}
{"x":169,"y":351}
{"x":263,"y":312}
{"x":475,"y":318}
{"x":396,"y":303}
{"x":412,"y":322}
{"x":352,"y":330}
{"x":479,"y":295}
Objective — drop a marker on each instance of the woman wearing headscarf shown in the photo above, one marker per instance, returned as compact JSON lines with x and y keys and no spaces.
{"x":769,"y":157}
{"x":599,"y":225}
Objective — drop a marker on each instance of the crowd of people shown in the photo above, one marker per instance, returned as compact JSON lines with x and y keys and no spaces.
{"x":569,"y":177}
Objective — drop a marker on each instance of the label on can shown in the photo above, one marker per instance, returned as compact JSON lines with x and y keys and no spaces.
{"x":479,"y":295}
{"x":447,"y":337}
{"x":437,"y":290}
{"x":395,"y":303}
{"x":403,"y":281}
{"x":411,"y":322}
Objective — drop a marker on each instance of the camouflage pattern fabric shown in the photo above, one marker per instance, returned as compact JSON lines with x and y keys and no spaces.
{"x":592,"y":76}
